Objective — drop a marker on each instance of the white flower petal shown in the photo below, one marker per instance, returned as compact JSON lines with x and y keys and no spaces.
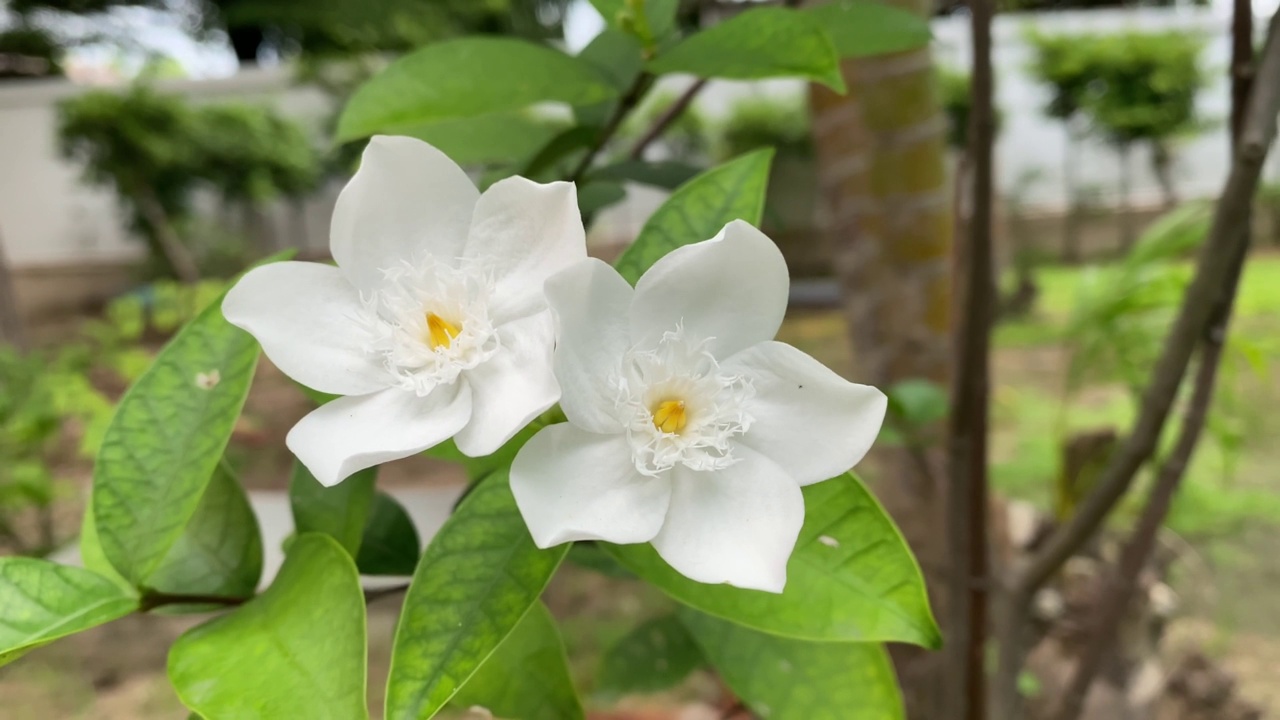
{"x":305,"y":316}
{"x":736,"y":526}
{"x":353,"y":433}
{"x":528,"y":231}
{"x":512,"y":387}
{"x":732,"y":287}
{"x":407,"y":199}
{"x":574,"y":485}
{"x":590,"y":301}
{"x":806,"y":418}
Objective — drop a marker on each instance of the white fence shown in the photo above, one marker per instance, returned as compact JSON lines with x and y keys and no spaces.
{"x":49,"y":218}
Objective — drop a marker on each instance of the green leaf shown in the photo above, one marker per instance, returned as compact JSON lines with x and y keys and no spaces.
{"x":497,"y":138}
{"x":480,"y":467}
{"x":699,"y":209}
{"x":785,"y":679}
{"x":42,"y":601}
{"x":558,"y":148}
{"x":654,"y":656}
{"x":917,"y":403}
{"x":219,"y":551}
{"x":660,"y":15}
{"x":476,"y":579}
{"x":296,"y":651}
{"x":165,"y":440}
{"x":760,"y":43}
{"x":851,"y":577}
{"x":860,"y":28}
{"x":666,"y":174}
{"x":390,"y":544}
{"x":527,"y":676}
{"x":465,"y":78}
{"x":341,"y":511}
{"x":619,"y":58}
{"x":91,"y":554}
{"x":595,"y":196}
{"x":591,"y":556}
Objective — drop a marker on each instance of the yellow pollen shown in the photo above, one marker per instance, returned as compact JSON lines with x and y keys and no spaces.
{"x":440,"y":332}
{"x":670,"y":417}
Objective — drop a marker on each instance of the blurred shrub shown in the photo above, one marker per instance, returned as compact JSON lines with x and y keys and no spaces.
{"x":755,"y":122}
{"x":27,"y":51}
{"x":155,"y":150}
{"x":49,"y":398}
{"x":1132,"y":86}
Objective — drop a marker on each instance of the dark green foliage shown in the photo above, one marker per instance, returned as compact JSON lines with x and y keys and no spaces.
{"x":764,"y":122}
{"x":1131,"y":86}
{"x":155,"y":150}
{"x":29,"y":52}
{"x":953,"y":86}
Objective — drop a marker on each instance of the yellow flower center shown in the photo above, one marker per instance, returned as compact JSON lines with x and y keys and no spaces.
{"x":669,"y":417}
{"x":440,"y":332}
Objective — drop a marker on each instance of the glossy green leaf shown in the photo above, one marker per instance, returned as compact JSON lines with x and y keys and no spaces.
{"x":859,"y":28}
{"x":488,"y":139}
{"x":851,"y":577}
{"x":41,"y":601}
{"x":615,"y":55}
{"x":666,"y":174}
{"x":465,"y":78}
{"x":219,"y":551}
{"x":390,"y":544}
{"x":497,"y":138}
{"x":527,"y":676}
{"x":699,"y":209}
{"x":341,"y":511}
{"x":91,"y":554}
{"x":476,"y":579}
{"x":785,"y":679}
{"x":619,"y":58}
{"x":296,"y":651}
{"x":597,"y":195}
{"x":759,"y":43}
{"x":165,"y":440}
{"x":656,"y":655}
{"x":660,"y":15}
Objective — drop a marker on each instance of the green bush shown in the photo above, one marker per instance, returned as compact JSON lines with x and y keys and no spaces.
{"x":155,"y":150}
{"x":29,"y":52}
{"x":756,"y":122}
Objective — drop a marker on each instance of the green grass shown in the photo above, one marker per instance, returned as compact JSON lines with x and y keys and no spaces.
{"x":1231,"y":481}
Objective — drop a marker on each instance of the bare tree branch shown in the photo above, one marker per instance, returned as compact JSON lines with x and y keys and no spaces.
{"x":665,"y":120}
{"x":971,"y":389}
{"x":1214,"y":267}
{"x":1142,"y":542}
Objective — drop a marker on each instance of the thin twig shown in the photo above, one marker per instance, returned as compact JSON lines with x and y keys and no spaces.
{"x":1117,"y":599}
{"x":668,"y":116}
{"x":967,"y":427}
{"x":1214,"y":266}
{"x":629,"y":100}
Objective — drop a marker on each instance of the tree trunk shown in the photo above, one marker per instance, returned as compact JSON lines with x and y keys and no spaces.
{"x":12,"y":331}
{"x":1071,"y":220}
{"x":883,"y":205}
{"x":1128,"y":230}
{"x":163,"y":237}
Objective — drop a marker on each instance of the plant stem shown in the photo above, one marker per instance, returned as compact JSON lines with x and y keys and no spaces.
{"x":664,"y":121}
{"x":152,"y":599}
{"x":1217,"y":257}
{"x":967,"y":427}
{"x":626,"y":104}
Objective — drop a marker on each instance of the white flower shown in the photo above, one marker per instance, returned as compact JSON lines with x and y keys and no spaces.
{"x":433,"y":324}
{"x":689,"y":427}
